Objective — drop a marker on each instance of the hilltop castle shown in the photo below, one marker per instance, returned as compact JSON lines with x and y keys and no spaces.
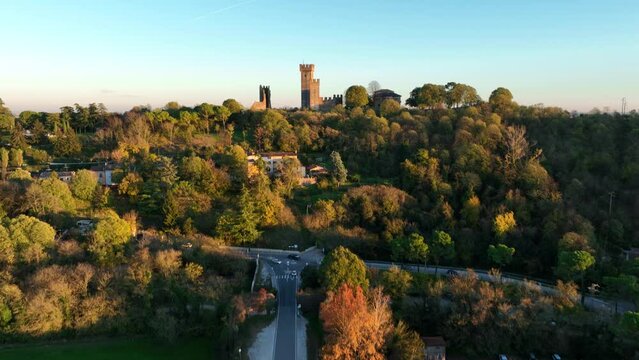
{"x":311,"y":90}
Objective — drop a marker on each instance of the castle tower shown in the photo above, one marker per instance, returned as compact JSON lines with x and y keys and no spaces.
{"x":310,"y":87}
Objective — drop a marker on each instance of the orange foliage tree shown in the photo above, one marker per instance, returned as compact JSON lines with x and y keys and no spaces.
{"x":356,"y":327}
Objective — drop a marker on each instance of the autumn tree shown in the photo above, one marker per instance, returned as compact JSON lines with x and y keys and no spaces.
{"x":355,"y":327}
{"x":504,"y":223}
{"x":341,"y":266}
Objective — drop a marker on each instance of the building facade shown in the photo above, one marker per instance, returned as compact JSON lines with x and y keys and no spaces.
{"x":273,"y":162}
{"x":380,"y":95}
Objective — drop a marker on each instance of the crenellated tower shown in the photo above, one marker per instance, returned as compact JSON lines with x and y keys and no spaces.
{"x":310,"y":87}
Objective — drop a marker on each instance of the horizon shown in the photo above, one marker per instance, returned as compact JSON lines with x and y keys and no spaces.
{"x":574,"y":56}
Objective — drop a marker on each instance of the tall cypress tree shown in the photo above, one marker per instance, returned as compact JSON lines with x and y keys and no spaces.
{"x":338,"y":171}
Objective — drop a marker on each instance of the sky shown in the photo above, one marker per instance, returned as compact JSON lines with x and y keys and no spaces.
{"x":577,"y":54}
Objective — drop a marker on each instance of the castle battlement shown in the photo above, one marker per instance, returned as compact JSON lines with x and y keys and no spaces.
{"x":307,"y":67}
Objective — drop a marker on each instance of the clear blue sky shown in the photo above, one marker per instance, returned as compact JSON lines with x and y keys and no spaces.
{"x":577,"y":54}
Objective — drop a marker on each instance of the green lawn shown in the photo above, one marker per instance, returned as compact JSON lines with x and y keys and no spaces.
{"x":120,"y":349}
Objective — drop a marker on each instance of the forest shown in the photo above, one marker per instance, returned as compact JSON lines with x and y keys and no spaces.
{"x":448,"y":179}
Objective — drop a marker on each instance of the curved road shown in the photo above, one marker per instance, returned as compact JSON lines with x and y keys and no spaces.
{"x":287,"y":284}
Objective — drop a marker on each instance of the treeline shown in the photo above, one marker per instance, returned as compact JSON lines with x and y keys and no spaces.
{"x":451,"y":180}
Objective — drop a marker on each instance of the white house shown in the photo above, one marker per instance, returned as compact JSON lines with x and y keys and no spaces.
{"x":274,"y":160}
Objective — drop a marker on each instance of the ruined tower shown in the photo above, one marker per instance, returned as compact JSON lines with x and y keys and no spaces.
{"x":265,"y":99}
{"x":310,"y":87}
{"x":265,"y":95}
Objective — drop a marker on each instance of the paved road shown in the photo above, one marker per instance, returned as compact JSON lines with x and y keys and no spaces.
{"x":286,"y":284}
{"x":591,"y":302}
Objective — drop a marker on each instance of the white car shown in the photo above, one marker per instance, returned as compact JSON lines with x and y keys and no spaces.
{"x":277,"y":261}
{"x":294,"y":273}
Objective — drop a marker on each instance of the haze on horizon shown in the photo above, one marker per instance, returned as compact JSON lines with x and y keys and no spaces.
{"x":573,"y":54}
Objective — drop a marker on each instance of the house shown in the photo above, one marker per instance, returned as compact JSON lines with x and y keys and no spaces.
{"x":274,"y":160}
{"x":104,"y":173}
{"x":435,"y":348}
{"x":380,"y":95}
{"x":316,"y":171}
{"x":65,"y":176}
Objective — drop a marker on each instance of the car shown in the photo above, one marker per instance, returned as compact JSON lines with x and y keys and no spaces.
{"x":556,"y":357}
{"x":293,"y":256}
{"x":452,"y":273}
{"x":294,"y":273}
{"x":277,"y":261}
{"x":532,"y":356}
{"x":503,"y":357}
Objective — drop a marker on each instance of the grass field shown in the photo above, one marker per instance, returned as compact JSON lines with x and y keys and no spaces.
{"x":120,"y":349}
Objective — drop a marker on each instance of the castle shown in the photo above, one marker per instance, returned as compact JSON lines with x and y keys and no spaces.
{"x":311,"y":91}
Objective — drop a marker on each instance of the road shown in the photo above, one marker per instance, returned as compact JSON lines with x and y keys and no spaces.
{"x":591,"y":302}
{"x":286,"y":284}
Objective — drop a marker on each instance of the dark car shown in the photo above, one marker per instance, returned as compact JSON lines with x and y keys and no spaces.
{"x":452,"y":273}
{"x":294,"y":257}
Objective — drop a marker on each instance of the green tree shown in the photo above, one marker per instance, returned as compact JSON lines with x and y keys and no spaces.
{"x":623,"y":286}
{"x":109,"y":240}
{"x":233,"y":105}
{"x":389,"y":107}
{"x":428,"y":96}
{"x":222,"y":114}
{"x":7,"y":251}
{"x":501,"y":99}
{"x":4,"y":163}
{"x":412,"y":248}
{"x":31,"y":238}
{"x":356,"y":96}
{"x":396,"y":282}
{"x":341,"y":266}
{"x":66,"y":143}
{"x":573,"y":263}
{"x":239,"y":226}
{"x":338,"y":170}
{"x":407,"y":344}
{"x":16,"y":157}
{"x":83,"y":184}
{"x":500,"y":254}
{"x":442,"y":247}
